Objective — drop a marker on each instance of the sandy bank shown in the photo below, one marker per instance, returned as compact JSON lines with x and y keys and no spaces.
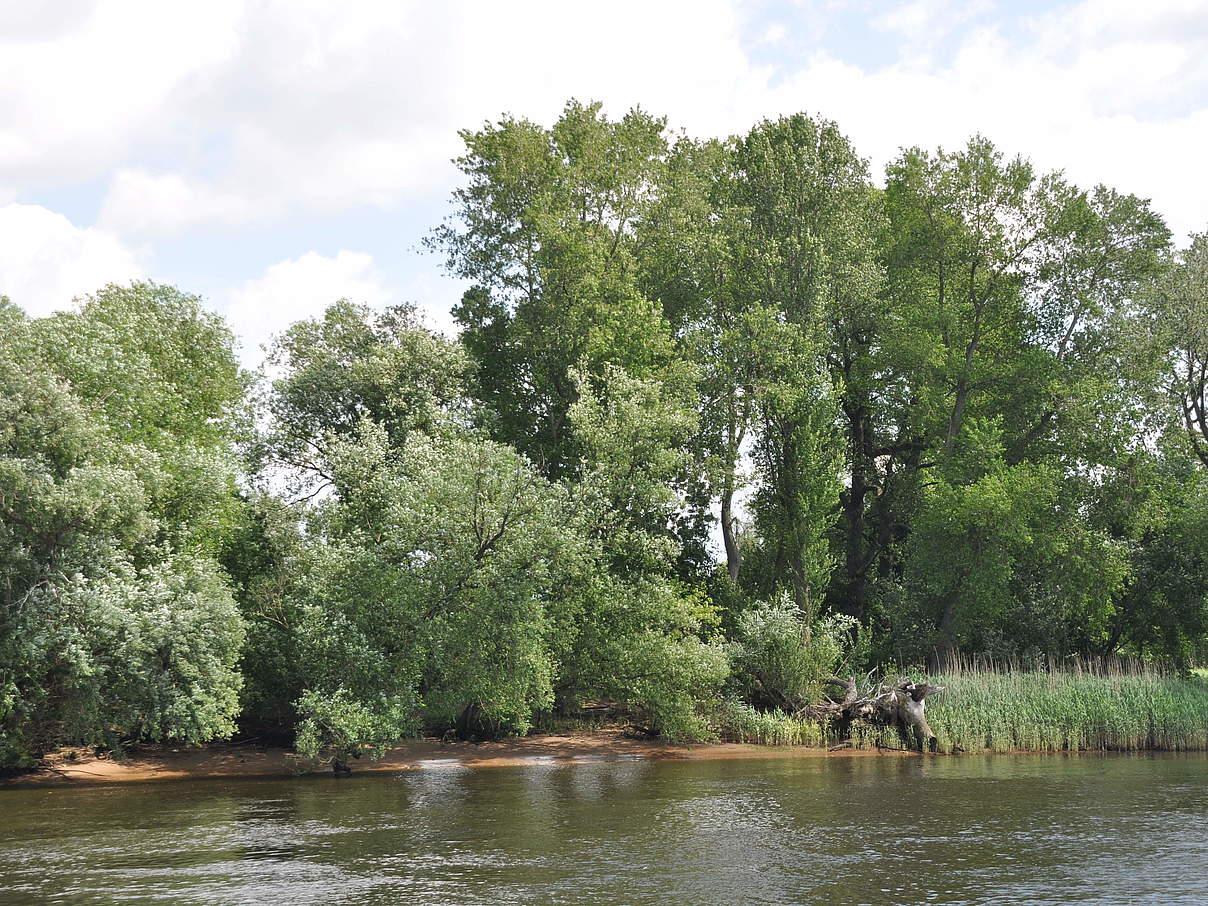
{"x":250,"y":760}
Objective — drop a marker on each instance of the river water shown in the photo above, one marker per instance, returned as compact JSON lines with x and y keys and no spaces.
{"x":1002,"y":829}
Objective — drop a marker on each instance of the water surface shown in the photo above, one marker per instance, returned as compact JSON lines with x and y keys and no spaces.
{"x":1002,"y":829}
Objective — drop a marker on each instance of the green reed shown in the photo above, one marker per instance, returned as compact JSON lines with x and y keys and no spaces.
{"x":1077,"y":707}
{"x":739,"y":722}
{"x":1110,"y":705}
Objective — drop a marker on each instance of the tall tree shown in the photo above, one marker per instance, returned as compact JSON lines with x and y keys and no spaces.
{"x":1184,"y":294}
{"x":546,"y":228}
{"x":692,"y":247}
{"x":810,"y":265}
{"x":1015,"y":301}
{"x":764,"y":254}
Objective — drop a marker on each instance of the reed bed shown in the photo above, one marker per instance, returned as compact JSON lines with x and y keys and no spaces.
{"x":739,"y":722}
{"x":1107,"y":705}
{"x":1084,"y":708}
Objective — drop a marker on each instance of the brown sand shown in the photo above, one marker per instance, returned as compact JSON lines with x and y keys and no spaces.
{"x":249,"y":760}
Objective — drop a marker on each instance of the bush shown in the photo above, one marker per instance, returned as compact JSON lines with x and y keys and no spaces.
{"x":127,"y":656}
{"x":340,"y":723}
{"x":688,"y":675}
{"x":780,"y":661}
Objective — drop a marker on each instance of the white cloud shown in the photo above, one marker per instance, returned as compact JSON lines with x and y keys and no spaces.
{"x":46,"y":261}
{"x":155,"y":204}
{"x":303,"y":287}
{"x":775,"y":33}
{"x":85,"y":82}
{"x":299,"y":288}
{"x":927,"y":21}
{"x":239,"y":110}
{"x":1076,"y":107}
{"x":325,"y":106}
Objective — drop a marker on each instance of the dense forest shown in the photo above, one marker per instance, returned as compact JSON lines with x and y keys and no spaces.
{"x":723,"y":418}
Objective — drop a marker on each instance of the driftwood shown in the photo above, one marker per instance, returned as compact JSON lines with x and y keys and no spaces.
{"x":902,"y":705}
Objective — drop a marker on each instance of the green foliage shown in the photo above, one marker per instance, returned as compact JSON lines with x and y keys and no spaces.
{"x":639,"y":636}
{"x":338,"y":722}
{"x":156,"y":361}
{"x":646,"y":645}
{"x":435,"y":559}
{"x":1030,"y":372}
{"x":355,"y":364}
{"x":800,"y":459}
{"x":126,"y":655}
{"x":1164,"y":611}
{"x":159,"y":370}
{"x":448,"y":575}
{"x":261,"y":556}
{"x":1182,"y":313}
{"x":115,"y":623}
{"x":632,"y":434}
{"x":414,"y":595}
{"x":546,"y":227}
{"x":781,"y":660}
{"x":963,"y":411}
{"x":806,"y":275}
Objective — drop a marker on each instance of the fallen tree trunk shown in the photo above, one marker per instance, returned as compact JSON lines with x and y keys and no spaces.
{"x":902,"y":705}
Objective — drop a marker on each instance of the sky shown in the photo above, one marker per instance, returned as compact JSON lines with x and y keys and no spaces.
{"x":275,"y":156}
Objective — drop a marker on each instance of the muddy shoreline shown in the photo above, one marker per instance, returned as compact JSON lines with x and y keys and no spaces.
{"x":240,"y":760}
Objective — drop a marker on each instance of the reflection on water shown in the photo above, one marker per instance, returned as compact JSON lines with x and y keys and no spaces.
{"x":860,"y":830}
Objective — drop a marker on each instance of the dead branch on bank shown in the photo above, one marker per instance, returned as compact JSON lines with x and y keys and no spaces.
{"x":902,"y":705}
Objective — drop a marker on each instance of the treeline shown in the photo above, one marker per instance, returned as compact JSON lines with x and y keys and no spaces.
{"x":967,"y":410}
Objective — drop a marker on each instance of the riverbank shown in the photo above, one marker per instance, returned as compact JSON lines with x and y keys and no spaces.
{"x":233,"y":760}
{"x":981,"y":712}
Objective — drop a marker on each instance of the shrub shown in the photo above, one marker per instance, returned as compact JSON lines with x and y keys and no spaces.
{"x":780,"y":661}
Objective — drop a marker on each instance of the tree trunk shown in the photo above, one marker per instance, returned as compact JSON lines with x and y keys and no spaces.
{"x":856,"y":558}
{"x":911,"y":708}
{"x":473,"y":725}
{"x":801,"y":596}
{"x":729,"y":536}
{"x":957,"y":417}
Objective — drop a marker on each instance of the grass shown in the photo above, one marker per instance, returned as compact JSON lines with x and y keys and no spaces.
{"x":985,"y":710}
{"x":739,"y":722}
{"x":1113,"y":706}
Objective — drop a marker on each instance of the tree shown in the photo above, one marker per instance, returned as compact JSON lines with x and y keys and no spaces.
{"x":546,"y":228}
{"x":159,"y":368}
{"x":436,"y":560}
{"x":1184,"y":298}
{"x":1014,"y":301}
{"x":115,"y":622}
{"x":1158,"y":507}
{"x":691,"y":246}
{"x":628,"y":630}
{"x":810,"y":261}
{"x":757,"y":247}
{"x":421,"y":565}
{"x":351,"y":365}
{"x":443,"y":581}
